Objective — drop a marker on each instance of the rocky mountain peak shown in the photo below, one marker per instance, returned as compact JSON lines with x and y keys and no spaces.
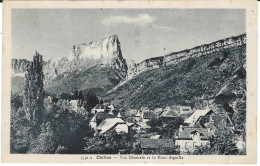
{"x":105,"y":53}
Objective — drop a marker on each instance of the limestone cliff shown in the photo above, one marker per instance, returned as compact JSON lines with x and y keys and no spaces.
{"x":105,"y":52}
{"x":176,"y":57}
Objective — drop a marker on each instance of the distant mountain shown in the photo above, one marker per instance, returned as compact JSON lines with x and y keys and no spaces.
{"x":213,"y":74}
{"x":76,"y":71}
{"x":208,"y":73}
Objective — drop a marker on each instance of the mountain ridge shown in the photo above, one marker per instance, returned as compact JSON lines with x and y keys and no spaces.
{"x":80,"y":61}
{"x":82,"y":56}
{"x":105,"y":53}
{"x":176,"y":57}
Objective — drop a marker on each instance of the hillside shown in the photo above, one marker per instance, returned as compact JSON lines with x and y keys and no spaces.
{"x":203,"y":74}
{"x":194,"y":81}
{"x":97,"y":79}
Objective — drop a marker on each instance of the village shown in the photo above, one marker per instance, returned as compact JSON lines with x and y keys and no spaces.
{"x":193,"y":128}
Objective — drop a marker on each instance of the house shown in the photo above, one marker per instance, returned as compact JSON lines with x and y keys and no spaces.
{"x":145,"y":109}
{"x":148,"y":115}
{"x":131,"y":112}
{"x":130,"y":119}
{"x":98,"y":108}
{"x":167,"y":115}
{"x":214,"y":122}
{"x":168,"y":108}
{"x":113,"y":113}
{"x":116,"y":113}
{"x":73,"y":104}
{"x":167,"y":120}
{"x":142,"y":117}
{"x":106,"y":104}
{"x":191,"y":121}
{"x":158,"y":111}
{"x":157,"y":146}
{"x":52,"y":99}
{"x":134,"y":126}
{"x":119,"y":115}
{"x":98,"y":118}
{"x":188,"y":138}
{"x":82,"y":111}
{"x":138,"y":116}
{"x":168,"y":111}
{"x":111,"y":107}
{"x":116,"y":124}
{"x":175,"y":110}
{"x":183,"y":109}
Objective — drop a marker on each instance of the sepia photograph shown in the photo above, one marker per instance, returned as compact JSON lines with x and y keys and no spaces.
{"x":129,"y":81}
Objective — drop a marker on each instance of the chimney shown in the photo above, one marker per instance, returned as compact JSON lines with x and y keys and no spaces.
{"x":181,"y":129}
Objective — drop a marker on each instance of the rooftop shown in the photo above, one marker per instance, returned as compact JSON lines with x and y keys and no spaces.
{"x":99,"y":106}
{"x":195,"y":116}
{"x":108,"y":124}
{"x":186,"y":132}
{"x":99,"y":116}
{"x":155,"y":136}
{"x":149,"y":115}
{"x":73,"y":102}
{"x":156,"y":143}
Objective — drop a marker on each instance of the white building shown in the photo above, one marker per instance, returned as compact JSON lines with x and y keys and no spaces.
{"x":187,"y":138}
{"x":116,"y":124}
{"x":74,"y":105}
{"x":98,"y":108}
{"x":196,"y":115}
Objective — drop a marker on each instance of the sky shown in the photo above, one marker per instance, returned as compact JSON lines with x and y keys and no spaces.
{"x":143,"y":33}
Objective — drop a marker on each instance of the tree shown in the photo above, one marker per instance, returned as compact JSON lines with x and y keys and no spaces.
{"x":223,"y":143}
{"x":33,"y":94}
{"x":111,"y":143}
{"x":16,"y":101}
{"x":46,"y":142}
{"x":171,"y":127}
{"x":69,"y":128}
{"x":63,"y":131}
{"x":155,"y":124}
{"x":201,"y":150}
{"x":20,"y":132}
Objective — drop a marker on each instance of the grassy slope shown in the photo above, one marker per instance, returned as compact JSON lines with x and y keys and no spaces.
{"x":98,"y":79}
{"x":186,"y":83}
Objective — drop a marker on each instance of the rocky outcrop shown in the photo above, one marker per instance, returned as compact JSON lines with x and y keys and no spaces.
{"x":19,"y":66}
{"x":176,"y":57}
{"x":105,"y":52}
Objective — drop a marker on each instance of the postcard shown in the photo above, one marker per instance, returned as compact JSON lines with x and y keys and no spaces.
{"x":129,"y":82}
